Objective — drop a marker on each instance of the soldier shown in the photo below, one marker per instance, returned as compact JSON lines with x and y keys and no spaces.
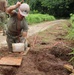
{"x":17,"y":26}
{"x":3,"y":5}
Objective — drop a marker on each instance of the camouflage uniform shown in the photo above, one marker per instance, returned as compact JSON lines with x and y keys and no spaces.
{"x":3,"y":5}
{"x":3,"y":21}
{"x":15,"y":28}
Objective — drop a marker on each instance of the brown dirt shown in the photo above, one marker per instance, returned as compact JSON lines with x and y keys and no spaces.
{"x":49,"y":52}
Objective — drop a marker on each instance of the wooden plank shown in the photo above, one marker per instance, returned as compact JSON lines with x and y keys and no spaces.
{"x":13,"y":61}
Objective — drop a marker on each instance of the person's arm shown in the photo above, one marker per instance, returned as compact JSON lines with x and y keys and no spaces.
{"x":24,"y":34}
{"x":25,"y":28}
{"x":10,"y":9}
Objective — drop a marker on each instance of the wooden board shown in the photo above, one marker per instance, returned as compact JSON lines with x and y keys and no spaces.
{"x":13,"y":61}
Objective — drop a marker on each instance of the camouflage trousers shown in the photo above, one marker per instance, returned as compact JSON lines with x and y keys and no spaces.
{"x":15,"y":39}
{"x":3,"y":28}
{"x":3,"y":21}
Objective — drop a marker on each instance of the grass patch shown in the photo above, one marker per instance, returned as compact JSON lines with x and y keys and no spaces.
{"x":70,"y":35}
{"x":37,"y":18}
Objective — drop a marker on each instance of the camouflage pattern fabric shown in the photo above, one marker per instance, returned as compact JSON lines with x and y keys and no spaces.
{"x":11,"y":39}
{"x":3,"y":5}
{"x":3,"y":21}
{"x":15,"y":28}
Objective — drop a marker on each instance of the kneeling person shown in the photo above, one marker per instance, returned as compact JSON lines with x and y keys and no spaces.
{"x":17,"y":26}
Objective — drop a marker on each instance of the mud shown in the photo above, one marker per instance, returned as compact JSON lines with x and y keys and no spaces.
{"x":46,"y":56}
{"x":42,"y":62}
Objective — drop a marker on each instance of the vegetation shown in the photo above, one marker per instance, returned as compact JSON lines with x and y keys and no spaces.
{"x":70,"y":35}
{"x":72,"y":59}
{"x":58,"y":8}
{"x":37,"y":18}
{"x":71,"y":29}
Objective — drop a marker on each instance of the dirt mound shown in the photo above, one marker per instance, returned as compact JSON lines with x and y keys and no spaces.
{"x":46,"y":62}
{"x":43,"y":62}
{"x":62,"y":52}
{"x":7,"y":70}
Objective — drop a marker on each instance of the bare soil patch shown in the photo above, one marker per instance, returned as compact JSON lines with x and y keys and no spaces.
{"x":49,"y":52}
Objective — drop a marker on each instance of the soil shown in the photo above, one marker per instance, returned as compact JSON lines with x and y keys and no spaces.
{"x":48,"y":53}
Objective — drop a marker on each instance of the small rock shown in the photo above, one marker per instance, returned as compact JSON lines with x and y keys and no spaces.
{"x":73,"y":71}
{"x":68,"y":67}
{"x":72,"y":74}
{"x":1,"y":74}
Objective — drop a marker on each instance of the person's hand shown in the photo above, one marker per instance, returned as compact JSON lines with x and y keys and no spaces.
{"x":18,"y":4}
{"x":23,"y":39}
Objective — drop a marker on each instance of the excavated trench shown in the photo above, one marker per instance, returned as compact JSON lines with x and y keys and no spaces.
{"x":41,"y":62}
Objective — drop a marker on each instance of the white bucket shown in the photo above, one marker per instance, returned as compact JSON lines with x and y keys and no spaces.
{"x":18,"y":47}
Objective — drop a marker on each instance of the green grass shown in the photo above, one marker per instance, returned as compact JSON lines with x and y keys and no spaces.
{"x":70,"y":35}
{"x":37,"y":18}
{"x":72,"y":59}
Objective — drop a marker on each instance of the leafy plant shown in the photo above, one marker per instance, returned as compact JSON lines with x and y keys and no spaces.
{"x":37,"y":18}
{"x":72,"y":59}
{"x":70,"y":35}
